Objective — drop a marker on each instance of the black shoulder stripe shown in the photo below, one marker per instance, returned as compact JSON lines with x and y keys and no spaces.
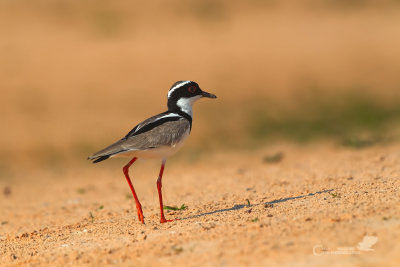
{"x":131,"y":132}
{"x":151,"y":126}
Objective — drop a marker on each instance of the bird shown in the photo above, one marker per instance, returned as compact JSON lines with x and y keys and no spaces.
{"x":157,"y":137}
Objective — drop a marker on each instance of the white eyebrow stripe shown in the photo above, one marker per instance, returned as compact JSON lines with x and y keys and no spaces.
{"x":177,"y":86}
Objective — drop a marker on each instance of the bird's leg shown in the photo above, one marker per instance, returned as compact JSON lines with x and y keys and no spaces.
{"x":159,"y":185}
{"x":138,"y":205}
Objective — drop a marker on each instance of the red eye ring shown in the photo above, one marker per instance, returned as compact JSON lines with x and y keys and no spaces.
{"x":192,"y":89}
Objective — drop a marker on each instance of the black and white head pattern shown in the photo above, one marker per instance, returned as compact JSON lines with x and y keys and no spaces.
{"x":182,"y":95}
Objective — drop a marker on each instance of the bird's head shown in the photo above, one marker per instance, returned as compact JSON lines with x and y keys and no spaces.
{"x":183,"y":94}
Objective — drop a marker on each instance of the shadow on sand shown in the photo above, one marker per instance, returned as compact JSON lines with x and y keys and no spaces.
{"x":241,"y":206}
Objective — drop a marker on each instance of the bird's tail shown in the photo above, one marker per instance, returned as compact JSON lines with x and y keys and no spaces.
{"x":107,"y":152}
{"x":98,"y":158}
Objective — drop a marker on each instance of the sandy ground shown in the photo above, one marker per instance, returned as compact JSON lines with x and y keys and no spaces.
{"x":242,"y":211}
{"x":76,"y":75}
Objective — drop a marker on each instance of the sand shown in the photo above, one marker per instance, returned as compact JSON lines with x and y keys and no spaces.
{"x":316,"y":205}
{"x":77,"y":75}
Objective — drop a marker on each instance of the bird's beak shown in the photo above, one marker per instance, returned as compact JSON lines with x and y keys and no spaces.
{"x":205,"y":94}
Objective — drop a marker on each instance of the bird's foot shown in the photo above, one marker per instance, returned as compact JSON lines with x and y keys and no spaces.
{"x":140,"y":213}
{"x":163,"y":220}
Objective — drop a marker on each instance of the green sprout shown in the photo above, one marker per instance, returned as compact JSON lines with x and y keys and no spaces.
{"x":334,"y":195}
{"x":183,"y":207}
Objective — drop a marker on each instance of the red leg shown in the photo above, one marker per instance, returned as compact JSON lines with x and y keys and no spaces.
{"x":159,"y":185}
{"x":138,"y":205}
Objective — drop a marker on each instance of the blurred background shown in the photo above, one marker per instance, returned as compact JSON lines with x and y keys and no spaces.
{"x":76,"y":76}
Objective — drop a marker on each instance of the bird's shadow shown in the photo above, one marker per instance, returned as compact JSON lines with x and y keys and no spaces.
{"x":241,"y":206}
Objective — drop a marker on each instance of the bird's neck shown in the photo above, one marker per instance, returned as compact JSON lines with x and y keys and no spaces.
{"x":187,"y":112}
{"x":184,"y":105}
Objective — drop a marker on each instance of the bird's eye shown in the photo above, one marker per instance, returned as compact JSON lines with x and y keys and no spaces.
{"x":192,"y":89}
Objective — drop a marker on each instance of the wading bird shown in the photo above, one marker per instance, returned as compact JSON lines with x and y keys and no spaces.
{"x":157,"y":137}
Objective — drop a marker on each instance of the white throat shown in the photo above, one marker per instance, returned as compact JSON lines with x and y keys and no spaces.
{"x":185,"y":104}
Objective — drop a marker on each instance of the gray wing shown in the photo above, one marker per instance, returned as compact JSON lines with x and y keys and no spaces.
{"x":166,"y":134}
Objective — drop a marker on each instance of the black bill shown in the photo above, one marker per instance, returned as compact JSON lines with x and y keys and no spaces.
{"x":205,"y":94}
